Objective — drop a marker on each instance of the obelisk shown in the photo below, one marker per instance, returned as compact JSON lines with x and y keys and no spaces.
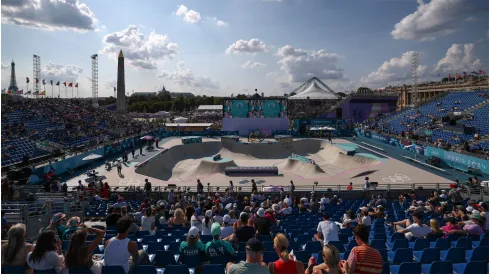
{"x":121,"y":86}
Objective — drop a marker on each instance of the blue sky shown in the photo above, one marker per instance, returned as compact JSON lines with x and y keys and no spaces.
{"x":220,"y":47}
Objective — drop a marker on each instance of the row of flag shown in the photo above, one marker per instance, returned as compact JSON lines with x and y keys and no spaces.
{"x":51,"y":81}
{"x":465,"y":74}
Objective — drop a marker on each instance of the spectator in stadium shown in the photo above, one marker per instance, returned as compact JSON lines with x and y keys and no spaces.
{"x":455,"y":195}
{"x":217,"y":247}
{"x":363,"y":217}
{"x":106,"y":191}
{"x":179,"y":219}
{"x":208,"y":221}
{"x":288,"y":200}
{"x":120,"y":250}
{"x":349,"y":187}
{"x":379,"y":212}
{"x":436,"y":230}
{"x":484,"y":213}
{"x":226,"y":226}
{"x":253,"y":263}
{"x":148,"y":222}
{"x":327,"y":230}
{"x":330,"y":265}
{"x":451,"y":224}
{"x":347,"y":219}
{"x":362,"y":258}
{"x":262,"y":225}
{"x":16,"y":248}
{"x":286,"y":209}
{"x":57,"y":224}
{"x":73,"y":224}
{"x":416,"y":229}
{"x":112,"y":217}
{"x":147,"y":188}
{"x":476,"y":228}
{"x":78,"y":255}
{"x":47,"y":254}
{"x":244,"y":230}
{"x":286,"y":264}
{"x":192,"y":246}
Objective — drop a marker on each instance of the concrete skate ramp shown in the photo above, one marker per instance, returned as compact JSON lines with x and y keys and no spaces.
{"x":187,"y":161}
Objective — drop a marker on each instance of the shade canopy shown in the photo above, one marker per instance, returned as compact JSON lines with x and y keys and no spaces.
{"x":92,"y":157}
{"x":314,"y":89}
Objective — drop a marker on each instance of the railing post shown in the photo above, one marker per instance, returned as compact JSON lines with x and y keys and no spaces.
{"x":25,"y":213}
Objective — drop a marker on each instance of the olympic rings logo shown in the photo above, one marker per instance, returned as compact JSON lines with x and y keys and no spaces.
{"x":397,"y":178}
{"x":258,"y":134}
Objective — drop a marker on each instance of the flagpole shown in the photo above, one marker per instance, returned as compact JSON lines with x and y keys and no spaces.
{"x":27,"y":88}
{"x":52,"y":88}
{"x":59,"y":91}
{"x":77,"y":91}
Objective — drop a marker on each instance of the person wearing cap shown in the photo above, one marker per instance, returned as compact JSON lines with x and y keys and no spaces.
{"x":207,"y":222}
{"x":262,"y":224}
{"x":57,"y":224}
{"x":253,"y":263}
{"x":73,"y":224}
{"x":327,"y":230}
{"x":227,"y":227}
{"x":218,"y":250}
{"x":417,"y":229}
{"x":286,"y":263}
{"x":192,"y":246}
{"x":476,"y":228}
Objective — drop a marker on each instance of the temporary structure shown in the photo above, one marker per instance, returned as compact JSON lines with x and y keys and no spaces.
{"x":314,"y":89}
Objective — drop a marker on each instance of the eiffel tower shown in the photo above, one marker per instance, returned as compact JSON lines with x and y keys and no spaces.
{"x":13,"y":82}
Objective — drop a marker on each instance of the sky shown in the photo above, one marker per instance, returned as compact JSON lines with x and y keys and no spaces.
{"x":224,"y":47}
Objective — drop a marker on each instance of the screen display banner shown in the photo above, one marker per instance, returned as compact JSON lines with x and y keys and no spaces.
{"x":255,"y":108}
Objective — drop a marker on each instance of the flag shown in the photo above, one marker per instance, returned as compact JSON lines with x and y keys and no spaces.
{"x":58,"y":83}
{"x":114,"y":89}
{"x":76,"y":85}
{"x":465,"y":74}
{"x":9,"y":92}
{"x":44,"y":81}
{"x":42,"y":93}
{"x":51,"y":81}
{"x":483,"y":72}
{"x":27,"y":80}
{"x":450,"y":77}
{"x":458,"y":76}
{"x":64,"y":83}
{"x":20,"y":92}
{"x":71,"y":84}
{"x":36,"y":93}
{"x":475,"y":73}
{"x":37,"y":80}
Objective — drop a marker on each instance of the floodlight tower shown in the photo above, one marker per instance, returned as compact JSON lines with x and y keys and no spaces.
{"x":95,"y":80}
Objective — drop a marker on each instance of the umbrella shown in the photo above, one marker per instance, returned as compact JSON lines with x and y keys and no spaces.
{"x":147,"y":138}
{"x":92,"y":157}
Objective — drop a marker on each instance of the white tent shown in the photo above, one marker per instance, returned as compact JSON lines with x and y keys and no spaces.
{"x":312,"y":90}
{"x":181,"y":119}
{"x":162,"y":114}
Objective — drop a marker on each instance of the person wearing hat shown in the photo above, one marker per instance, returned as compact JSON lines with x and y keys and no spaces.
{"x":253,"y":263}
{"x":218,"y":250}
{"x":227,"y":227}
{"x":476,"y":228}
{"x":262,"y":224}
{"x":417,"y":229}
{"x":327,"y":230}
{"x":57,"y":224}
{"x":192,"y":246}
{"x":73,"y":224}
{"x":207,"y":222}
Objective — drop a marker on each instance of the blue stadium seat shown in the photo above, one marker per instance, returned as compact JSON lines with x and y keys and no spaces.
{"x":212,"y":269}
{"x":471,"y":268}
{"x":420,"y":244}
{"x":386,"y":268}
{"x":442,"y":244}
{"x":145,"y":269}
{"x":401,"y":255}
{"x":438,"y":267}
{"x":454,"y":254}
{"x":153,"y":247}
{"x":428,"y":255}
{"x":479,"y":254}
{"x":378,"y":244}
{"x":206,"y":238}
{"x":270,"y":256}
{"x":164,"y":258}
{"x":406,"y":268}
{"x":116,"y":269}
{"x":265,"y":238}
{"x":176,"y":269}
{"x":191,"y":261}
{"x":148,"y":238}
{"x":398,"y":244}
{"x":313,"y":246}
{"x":13,"y":270}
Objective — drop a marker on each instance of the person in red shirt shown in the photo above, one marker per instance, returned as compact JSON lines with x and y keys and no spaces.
{"x":349,"y":187}
{"x":286,"y":263}
{"x":362,"y":258}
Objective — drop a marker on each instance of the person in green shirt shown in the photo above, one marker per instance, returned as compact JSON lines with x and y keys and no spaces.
{"x":193,"y":245}
{"x":219,"y":251}
{"x":57,"y":224}
{"x":73,"y":224}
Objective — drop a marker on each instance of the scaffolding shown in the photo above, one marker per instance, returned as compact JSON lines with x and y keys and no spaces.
{"x":415,"y":78}
{"x":36,"y":77}
{"x":95,"y":80}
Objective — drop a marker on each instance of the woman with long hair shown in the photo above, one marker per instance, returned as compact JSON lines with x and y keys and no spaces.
{"x":436,"y":229}
{"x":330,"y":265}
{"x":286,"y":263}
{"x":47,"y":253}
{"x":179,"y":219}
{"x":15,"y":251}
{"x":105,"y":191}
{"x":192,"y":246}
{"x":207,"y":223}
{"x":189,"y":211}
{"x":79,"y":255}
{"x":148,"y":222}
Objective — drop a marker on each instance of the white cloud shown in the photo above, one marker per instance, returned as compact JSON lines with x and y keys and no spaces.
{"x":459,"y":58}
{"x":190,"y":16}
{"x":280,"y":80}
{"x":49,"y":14}
{"x":251,"y":46}
{"x":185,"y":77}
{"x":5,"y":66}
{"x":252,"y":64}
{"x":300,"y":65}
{"x":62,"y":73}
{"x":219,"y":23}
{"x":141,"y":51}
{"x":435,"y":18}
{"x":392,"y":71}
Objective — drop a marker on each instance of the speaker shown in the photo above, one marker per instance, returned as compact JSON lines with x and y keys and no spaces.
{"x":338,"y":113}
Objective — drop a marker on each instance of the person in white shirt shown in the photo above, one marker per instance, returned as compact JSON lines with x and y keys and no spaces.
{"x":288,"y":200}
{"x":305,"y":202}
{"x":417,"y":228}
{"x":286,"y":209}
{"x":443,"y":195}
{"x":324,"y":199}
{"x":327,"y":230}
{"x":47,"y":253}
{"x":254,"y":196}
{"x":148,"y":222}
{"x":226,"y":227}
{"x":363,"y":217}
{"x":207,"y":223}
{"x":217,"y":217}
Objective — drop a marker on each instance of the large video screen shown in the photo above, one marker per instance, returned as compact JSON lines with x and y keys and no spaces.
{"x":255,"y":108}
